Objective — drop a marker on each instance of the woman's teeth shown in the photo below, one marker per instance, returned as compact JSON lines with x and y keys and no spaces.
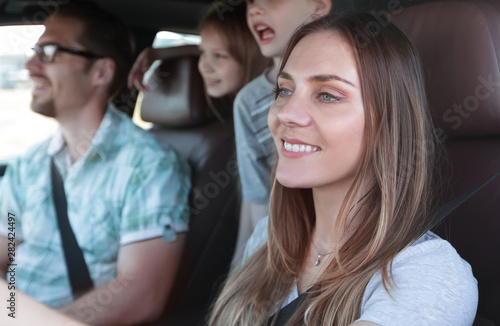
{"x":300,"y":148}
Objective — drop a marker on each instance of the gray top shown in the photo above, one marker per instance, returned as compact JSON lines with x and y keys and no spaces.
{"x":254,"y":143}
{"x":433,"y":285}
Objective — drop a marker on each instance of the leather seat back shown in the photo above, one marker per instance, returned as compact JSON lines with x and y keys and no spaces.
{"x":459,"y":43}
{"x":177,"y":106}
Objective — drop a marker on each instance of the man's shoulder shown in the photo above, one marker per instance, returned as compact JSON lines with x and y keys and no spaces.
{"x":31,"y":165}
{"x":140,"y":146}
{"x":35,"y":154}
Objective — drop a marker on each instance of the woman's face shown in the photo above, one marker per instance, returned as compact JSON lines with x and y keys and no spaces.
{"x":221,"y":73}
{"x":317,"y":120}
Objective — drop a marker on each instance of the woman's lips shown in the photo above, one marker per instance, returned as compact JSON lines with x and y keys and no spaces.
{"x":298,"y":149}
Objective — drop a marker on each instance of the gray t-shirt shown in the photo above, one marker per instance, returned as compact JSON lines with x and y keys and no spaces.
{"x":433,"y":285}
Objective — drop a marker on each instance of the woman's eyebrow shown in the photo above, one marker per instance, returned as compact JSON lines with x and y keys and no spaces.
{"x":324,"y":78}
{"x":318,"y":78}
{"x":285,"y":75}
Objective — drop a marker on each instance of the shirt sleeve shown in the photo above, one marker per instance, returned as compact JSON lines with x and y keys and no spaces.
{"x":157,"y":201}
{"x":254,"y":149}
{"x":10,"y":200}
{"x":433,"y":286}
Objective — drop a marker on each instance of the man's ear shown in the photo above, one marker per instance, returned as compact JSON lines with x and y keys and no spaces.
{"x":103,"y":71}
{"x":322,"y":8}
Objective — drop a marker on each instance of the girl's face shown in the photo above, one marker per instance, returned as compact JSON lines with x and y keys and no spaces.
{"x":221,"y":73}
{"x":318,"y":120}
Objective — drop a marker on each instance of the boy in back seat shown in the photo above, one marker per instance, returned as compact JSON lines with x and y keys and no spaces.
{"x":272,"y":23}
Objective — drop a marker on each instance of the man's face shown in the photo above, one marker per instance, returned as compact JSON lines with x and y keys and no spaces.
{"x":63,"y":86}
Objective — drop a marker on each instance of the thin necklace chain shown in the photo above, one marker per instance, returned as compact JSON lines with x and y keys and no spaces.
{"x":318,"y":260}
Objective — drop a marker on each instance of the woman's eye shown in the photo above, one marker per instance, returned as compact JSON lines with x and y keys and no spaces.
{"x":220,"y":56}
{"x":282,"y":92}
{"x":327,"y":97}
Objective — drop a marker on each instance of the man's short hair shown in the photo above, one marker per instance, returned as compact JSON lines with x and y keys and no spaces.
{"x":103,"y":34}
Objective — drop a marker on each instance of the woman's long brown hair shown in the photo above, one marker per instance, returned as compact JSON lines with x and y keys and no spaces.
{"x":390,"y":192}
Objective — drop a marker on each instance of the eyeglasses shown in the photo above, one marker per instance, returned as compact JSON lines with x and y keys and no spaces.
{"x":47,"y":52}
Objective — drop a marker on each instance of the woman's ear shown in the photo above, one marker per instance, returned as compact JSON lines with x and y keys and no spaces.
{"x":322,"y":8}
{"x":103,"y":72}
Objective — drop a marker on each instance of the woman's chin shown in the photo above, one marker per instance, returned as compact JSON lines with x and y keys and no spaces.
{"x":291,"y":181}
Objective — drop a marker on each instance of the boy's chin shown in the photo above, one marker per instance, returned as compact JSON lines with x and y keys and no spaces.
{"x":271,"y":51}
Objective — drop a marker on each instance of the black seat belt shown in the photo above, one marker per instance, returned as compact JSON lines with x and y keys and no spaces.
{"x":439,"y":214}
{"x":436,"y":217}
{"x":285,"y":313}
{"x":78,"y":273}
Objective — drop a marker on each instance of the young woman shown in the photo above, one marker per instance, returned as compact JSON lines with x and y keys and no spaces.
{"x":229,"y":55}
{"x":347,"y":236}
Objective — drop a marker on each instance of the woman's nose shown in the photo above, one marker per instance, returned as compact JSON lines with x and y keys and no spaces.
{"x":295,"y":112}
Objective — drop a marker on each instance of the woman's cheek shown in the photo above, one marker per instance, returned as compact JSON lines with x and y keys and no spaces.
{"x":272,"y":119}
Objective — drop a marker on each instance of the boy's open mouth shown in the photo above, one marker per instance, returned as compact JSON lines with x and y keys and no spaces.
{"x":265,"y":32}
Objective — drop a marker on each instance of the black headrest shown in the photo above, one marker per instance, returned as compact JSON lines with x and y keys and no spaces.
{"x":176,"y":96}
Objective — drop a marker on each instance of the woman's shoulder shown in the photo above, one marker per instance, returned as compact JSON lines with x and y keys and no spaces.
{"x":431,"y":249}
{"x":431,"y":285}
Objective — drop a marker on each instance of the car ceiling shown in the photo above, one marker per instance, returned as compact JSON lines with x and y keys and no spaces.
{"x":177,"y":15}
{"x":152,"y":15}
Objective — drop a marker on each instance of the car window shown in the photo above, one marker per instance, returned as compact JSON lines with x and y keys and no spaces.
{"x":163,"y":39}
{"x":20,"y":128}
{"x":166,"y":39}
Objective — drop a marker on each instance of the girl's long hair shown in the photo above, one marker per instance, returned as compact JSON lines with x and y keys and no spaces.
{"x":229,"y":21}
{"x":390,"y":193}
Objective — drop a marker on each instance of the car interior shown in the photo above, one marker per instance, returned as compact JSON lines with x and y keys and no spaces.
{"x":207,"y":143}
{"x":459,"y":44}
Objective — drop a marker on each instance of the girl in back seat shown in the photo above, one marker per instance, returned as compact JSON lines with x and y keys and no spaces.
{"x":229,"y":56}
{"x":229,"y":59}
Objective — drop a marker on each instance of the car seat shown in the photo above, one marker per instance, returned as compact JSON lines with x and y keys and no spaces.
{"x":177,"y":107}
{"x":459,"y":43}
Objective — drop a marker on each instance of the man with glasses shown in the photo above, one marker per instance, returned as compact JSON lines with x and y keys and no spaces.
{"x":126,"y":197}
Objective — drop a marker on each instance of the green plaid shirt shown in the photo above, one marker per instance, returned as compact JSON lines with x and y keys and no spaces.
{"x":125,"y":189}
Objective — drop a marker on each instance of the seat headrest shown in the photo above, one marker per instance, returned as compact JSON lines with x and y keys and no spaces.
{"x":176,"y":96}
{"x":459,"y":43}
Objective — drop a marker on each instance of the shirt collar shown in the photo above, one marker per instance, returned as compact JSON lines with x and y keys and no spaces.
{"x":56,"y":143}
{"x":101,"y":142}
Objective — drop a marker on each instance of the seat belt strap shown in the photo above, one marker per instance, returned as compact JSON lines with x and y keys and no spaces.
{"x":284,"y":314}
{"x":440,"y":213}
{"x":78,"y":273}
